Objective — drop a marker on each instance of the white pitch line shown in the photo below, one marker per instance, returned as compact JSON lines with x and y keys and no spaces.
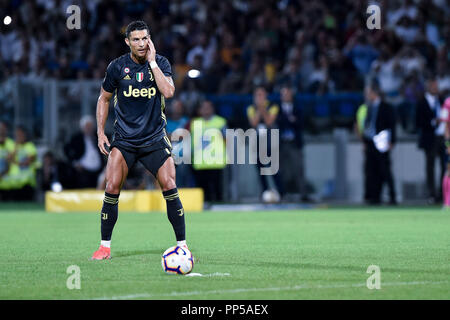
{"x":240,"y":290}
{"x":215,"y":274}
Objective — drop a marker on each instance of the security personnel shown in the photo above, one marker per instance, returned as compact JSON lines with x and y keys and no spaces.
{"x":209,"y":151}
{"x":6,"y":155}
{"x":23,"y":168}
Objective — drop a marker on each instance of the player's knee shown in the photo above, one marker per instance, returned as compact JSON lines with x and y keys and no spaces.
{"x":112,"y":188}
{"x":168,"y":184}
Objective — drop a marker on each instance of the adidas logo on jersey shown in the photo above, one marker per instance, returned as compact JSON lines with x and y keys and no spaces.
{"x":127,"y":77}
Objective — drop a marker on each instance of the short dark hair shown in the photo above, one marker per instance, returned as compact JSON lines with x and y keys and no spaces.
{"x":136,"y":25}
{"x":22,"y":128}
{"x":260,"y":86}
{"x":430,"y":76}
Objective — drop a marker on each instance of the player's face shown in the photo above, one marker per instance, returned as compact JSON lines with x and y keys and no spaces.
{"x":137,"y":41}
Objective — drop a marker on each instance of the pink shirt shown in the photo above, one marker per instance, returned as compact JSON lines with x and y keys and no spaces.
{"x":445,"y":110}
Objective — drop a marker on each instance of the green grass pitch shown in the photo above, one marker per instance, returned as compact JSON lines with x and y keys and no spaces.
{"x":305,"y":254}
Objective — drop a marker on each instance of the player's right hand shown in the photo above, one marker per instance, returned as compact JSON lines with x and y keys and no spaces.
{"x":102,"y":140}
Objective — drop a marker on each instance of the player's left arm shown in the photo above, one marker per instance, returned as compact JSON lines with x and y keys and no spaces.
{"x":164,"y":83}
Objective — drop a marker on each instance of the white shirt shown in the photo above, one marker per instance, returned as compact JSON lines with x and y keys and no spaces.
{"x":287,"y":107}
{"x":434,"y":103}
{"x":91,"y":159}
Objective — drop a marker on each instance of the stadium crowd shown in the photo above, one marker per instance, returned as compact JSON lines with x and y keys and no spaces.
{"x":315,"y":47}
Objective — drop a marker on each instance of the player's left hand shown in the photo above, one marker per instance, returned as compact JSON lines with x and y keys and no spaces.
{"x":151,"y":52}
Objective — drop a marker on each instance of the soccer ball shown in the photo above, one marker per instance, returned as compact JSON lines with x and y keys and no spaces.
{"x":177,"y":260}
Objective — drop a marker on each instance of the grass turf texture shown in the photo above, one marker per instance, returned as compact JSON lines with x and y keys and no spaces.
{"x":309,"y":254}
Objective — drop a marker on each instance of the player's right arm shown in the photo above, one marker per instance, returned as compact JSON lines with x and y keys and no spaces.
{"x":102,"y":115}
{"x":109,"y":85}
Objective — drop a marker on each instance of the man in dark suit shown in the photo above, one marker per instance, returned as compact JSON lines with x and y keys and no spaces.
{"x":379,"y":137}
{"x":290,"y":123}
{"x":431,"y":135}
{"x":84,"y":156}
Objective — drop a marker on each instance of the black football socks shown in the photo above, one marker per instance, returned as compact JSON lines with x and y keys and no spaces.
{"x":109,"y":215}
{"x":175,"y":213}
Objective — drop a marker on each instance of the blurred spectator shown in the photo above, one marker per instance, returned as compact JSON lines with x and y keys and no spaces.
{"x":191,"y":95}
{"x":316,"y":46}
{"x":233,"y":80}
{"x":84,"y":155}
{"x":319,"y":80}
{"x":209,"y":153}
{"x":290,"y":74}
{"x":256,"y":75}
{"x":389,"y":74}
{"x":247,"y":37}
{"x":175,"y":116}
{"x":431,"y":136}
{"x":7,"y":147}
{"x":412,"y":92}
{"x":262,"y":116}
{"x":290,"y":121}
{"x":361,"y":115}
{"x":361,"y":52}
{"x":23,"y":168}
{"x":180,"y":69}
{"x":212,"y":76}
{"x":205,"y":47}
{"x":407,"y":29}
{"x":51,"y":172}
{"x":229,"y":51}
{"x":177,"y":121}
{"x":380,"y":118}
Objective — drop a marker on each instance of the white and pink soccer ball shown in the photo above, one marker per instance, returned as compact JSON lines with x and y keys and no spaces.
{"x":177,"y":260}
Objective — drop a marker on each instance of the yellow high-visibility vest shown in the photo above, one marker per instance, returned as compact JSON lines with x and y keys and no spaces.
{"x":22,"y":176}
{"x":6,"y":149}
{"x":361,"y":115}
{"x":208,"y":143}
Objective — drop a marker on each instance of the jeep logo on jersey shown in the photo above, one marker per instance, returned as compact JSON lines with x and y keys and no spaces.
{"x":136,"y":93}
{"x":139,"y":76}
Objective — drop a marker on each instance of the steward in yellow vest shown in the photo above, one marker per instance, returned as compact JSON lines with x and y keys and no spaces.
{"x":209,"y":156}
{"x":6,"y":157}
{"x":23,"y":168}
{"x":208,"y":143}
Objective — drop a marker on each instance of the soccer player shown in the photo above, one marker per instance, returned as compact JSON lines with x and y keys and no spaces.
{"x":139,"y":81}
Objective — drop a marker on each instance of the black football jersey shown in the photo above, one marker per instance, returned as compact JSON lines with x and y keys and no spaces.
{"x":138,"y":104}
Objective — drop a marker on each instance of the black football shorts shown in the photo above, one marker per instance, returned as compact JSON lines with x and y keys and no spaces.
{"x":152,"y":157}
